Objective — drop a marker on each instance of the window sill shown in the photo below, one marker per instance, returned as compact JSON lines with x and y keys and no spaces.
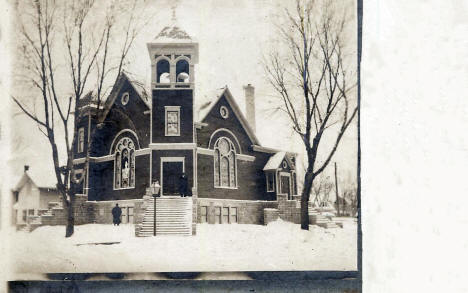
{"x":124,"y":188}
{"x":225,"y":187}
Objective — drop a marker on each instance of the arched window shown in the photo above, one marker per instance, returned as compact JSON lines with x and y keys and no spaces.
{"x":162,"y":71}
{"x":124,"y":164}
{"x":182,"y":71}
{"x":225,"y":167}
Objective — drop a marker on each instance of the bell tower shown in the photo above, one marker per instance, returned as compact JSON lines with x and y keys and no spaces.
{"x":173,"y":54}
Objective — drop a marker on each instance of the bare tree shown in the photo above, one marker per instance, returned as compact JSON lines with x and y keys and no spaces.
{"x":74,"y":39}
{"x":312,"y":82}
{"x":321,"y":190}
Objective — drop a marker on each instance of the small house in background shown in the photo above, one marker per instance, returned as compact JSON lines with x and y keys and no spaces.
{"x":32,"y":194}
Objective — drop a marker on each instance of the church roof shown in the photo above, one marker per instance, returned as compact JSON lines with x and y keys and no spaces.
{"x":173,"y":34}
{"x":205,"y":108}
{"x":137,"y":86}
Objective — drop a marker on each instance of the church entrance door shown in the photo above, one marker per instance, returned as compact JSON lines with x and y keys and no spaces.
{"x":171,"y":172}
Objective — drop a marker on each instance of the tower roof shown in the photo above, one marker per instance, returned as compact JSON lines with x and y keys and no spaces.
{"x":173,"y":34}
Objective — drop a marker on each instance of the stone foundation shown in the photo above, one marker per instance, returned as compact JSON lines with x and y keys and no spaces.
{"x":270,"y":215}
{"x":247,"y":211}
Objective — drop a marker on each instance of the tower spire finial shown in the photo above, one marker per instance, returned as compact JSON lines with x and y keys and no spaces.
{"x":173,"y":8}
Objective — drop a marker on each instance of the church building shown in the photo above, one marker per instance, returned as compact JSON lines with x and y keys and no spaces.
{"x":142,"y":136}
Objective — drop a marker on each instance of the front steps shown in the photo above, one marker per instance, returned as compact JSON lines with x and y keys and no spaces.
{"x":316,"y":218}
{"x":173,"y":216}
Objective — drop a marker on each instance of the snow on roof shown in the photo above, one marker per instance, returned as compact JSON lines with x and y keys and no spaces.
{"x":209,"y":99}
{"x":173,"y":34}
{"x":274,"y":161}
{"x":206,"y":108}
{"x":42,"y":178}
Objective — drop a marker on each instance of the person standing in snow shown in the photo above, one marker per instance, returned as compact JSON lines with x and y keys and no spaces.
{"x":183,"y":185}
{"x":116,"y":213}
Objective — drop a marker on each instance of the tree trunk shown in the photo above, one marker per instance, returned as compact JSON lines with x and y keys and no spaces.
{"x":70,"y":214}
{"x":308,"y":180}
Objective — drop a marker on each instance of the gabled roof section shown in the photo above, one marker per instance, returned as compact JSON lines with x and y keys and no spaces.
{"x":138,"y":87}
{"x":274,"y":162}
{"x":42,"y":179}
{"x":207,"y":107}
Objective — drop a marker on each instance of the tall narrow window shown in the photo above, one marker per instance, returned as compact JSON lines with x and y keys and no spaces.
{"x":124,"y":164}
{"x":182,"y":71}
{"x":172,"y":120}
{"x":225,"y":169}
{"x":270,"y":181}
{"x":162,"y":71}
{"x":80,"y":140}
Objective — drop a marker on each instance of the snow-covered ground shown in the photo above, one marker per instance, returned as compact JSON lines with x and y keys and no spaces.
{"x":278,"y":246}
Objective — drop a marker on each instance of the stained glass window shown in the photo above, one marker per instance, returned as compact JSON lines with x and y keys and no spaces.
{"x":225,"y":169}
{"x":124,"y":164}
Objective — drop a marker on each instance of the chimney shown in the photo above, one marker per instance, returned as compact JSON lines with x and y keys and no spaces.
{"x":26,"y":168}
{"x":250,"y":105}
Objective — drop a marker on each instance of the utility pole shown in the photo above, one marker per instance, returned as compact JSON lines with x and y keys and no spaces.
{"x":336,"y":190}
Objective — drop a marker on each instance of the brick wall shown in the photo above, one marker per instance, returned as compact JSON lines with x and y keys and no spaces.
{"x":248,"y":212}
{"x":270,"y":215}
{"x":103,"y":209}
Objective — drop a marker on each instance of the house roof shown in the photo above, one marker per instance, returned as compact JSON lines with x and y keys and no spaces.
{"x":205,"y":108}
{"x":41,"y":178}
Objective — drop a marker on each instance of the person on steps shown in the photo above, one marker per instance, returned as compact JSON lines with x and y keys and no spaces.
{"x":183,"y":185}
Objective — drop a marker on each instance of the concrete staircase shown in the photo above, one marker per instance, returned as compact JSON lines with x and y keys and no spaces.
{"x":317,"y":218}
{"x":173,"y":216}
{"x":31,"y":225}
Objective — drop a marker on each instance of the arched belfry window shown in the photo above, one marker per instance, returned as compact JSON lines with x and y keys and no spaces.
{"x":225,"y":166}
{"x":183,"y":71}
{"x":124,"y":164}
{"x":163,"y":71}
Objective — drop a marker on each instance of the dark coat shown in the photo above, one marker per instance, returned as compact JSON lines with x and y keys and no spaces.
{"x":183,"y":185}
{"x":116,"y":213}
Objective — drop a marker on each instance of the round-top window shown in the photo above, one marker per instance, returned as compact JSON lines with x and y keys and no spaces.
{"x":284,"y":165}
{"x":125,"y":98}
{"x":224,"y":112}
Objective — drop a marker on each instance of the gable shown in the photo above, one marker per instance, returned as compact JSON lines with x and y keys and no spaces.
{"x":229,"y":126}
{"x":128,"y":111}
{"x":224,"y":97}
{"x":136,"y":99}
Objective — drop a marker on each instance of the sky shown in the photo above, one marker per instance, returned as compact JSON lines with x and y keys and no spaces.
{"x":233,"y":36}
